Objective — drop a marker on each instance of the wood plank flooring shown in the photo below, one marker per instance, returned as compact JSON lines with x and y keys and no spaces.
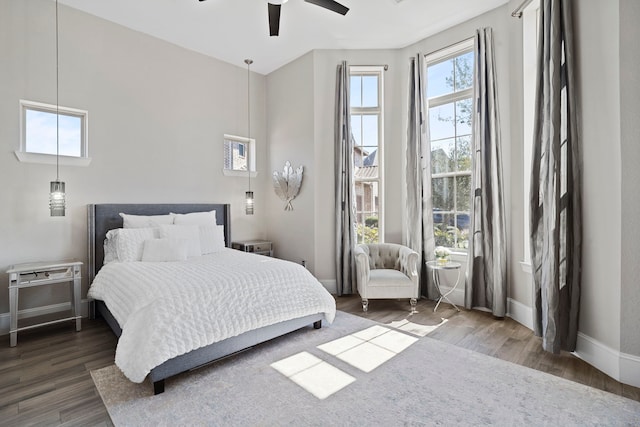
{"x":45,"y":380}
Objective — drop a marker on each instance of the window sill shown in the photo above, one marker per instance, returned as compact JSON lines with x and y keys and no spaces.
{"x":227,"y":172}
{"x":50,"y":159}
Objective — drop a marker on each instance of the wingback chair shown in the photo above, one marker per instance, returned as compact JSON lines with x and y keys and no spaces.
{"x":385,"y":271}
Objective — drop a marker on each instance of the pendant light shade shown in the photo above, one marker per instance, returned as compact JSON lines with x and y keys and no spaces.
{"x":248,"y":203}
{"x":56,"y":198}
{"x":248,"y":206}
{"x":56,"y":188}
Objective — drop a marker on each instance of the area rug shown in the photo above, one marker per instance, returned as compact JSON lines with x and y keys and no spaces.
{"x":357,"y":372}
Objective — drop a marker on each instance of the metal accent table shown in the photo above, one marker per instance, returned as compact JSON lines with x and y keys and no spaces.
{"x":436,"y":267}
{"x":41,"y":274}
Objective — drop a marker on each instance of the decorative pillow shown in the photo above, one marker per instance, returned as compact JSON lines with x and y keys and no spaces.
{"x":211,"y":238}
{"x":164,"y":250}
{"x":126,"y":244}
{"x":195,"y":218}
{"x":145,"y":221}
{"x":110,"y":248}
{"x":190,"y":233}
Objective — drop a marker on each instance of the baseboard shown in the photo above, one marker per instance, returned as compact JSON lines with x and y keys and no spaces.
{"x":630,"y":369}
{"x":5,"y":318}
{"x":519,"y":312}
{"x":622,"y":367}
{"x":599,"y":355}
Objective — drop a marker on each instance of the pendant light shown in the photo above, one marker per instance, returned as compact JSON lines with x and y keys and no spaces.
{"x":248,"y":205}
{"x":57,"y":188}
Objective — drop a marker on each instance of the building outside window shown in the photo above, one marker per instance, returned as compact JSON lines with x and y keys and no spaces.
{"x":450,"y":100}
{"x":239,"y":154}
{"x":366,"y":87}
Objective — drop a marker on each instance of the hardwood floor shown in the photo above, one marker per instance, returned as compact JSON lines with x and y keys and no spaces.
{"x":45,"y":380}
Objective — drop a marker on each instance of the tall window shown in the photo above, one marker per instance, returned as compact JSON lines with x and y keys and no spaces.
{"x":366,"y":130}
{"x":450,"y":98}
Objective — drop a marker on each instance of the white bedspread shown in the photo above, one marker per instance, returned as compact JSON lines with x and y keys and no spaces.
{"x":167,"y":309}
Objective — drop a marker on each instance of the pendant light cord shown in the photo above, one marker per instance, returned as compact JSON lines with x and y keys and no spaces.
{"x":249,"y":61}
{"x":57,"y":105}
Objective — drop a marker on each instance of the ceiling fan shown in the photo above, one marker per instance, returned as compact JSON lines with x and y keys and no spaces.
{"x":275,"y":5}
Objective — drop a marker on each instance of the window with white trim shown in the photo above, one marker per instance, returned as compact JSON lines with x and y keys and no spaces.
{"x":239,"y":155}
{"x":47,"y":130}
{"x":450,"y":100}
{"x":367,"y":118}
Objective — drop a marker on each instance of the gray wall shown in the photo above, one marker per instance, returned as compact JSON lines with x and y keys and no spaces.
{"x":598,"y":76}
{"x":630,"y":154}
{"x":157,"y":115}
{"x":290,"y":128}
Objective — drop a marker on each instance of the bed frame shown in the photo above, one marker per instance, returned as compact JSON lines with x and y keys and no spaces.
{"x":104,"y":217}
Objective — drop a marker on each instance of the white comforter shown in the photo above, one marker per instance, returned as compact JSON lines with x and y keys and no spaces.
{"x":167,"y":309}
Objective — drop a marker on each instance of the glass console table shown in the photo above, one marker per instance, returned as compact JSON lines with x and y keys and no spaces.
{"x":39,"y":274}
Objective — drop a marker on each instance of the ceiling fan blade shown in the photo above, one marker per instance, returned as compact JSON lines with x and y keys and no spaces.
{"x":331,"y":5}
{"x":274,"y":19}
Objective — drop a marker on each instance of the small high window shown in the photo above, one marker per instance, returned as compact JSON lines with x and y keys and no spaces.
{"x":47,"y":130}
{"x":239,"y":155}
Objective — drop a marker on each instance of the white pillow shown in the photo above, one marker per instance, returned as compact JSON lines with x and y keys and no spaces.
{"x":144,"y":221}
{"x":195,"y":218}
{"x":190,"y":233}
{"x":126,"y":244}
{"x":164,"y":250}
{"x":110,"y":248}
{"x":211,"y":238}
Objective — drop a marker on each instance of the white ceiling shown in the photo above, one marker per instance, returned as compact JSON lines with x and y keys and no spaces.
{"x":232,"y":30}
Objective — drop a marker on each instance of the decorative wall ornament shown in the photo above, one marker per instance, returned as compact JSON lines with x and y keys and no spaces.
{"x":287,"y":184}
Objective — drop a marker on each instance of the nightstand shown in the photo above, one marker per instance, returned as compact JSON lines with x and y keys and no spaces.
{"x":36,"y":274}
{"x":262,"y":247}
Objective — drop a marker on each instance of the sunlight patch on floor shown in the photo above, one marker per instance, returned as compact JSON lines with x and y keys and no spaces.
{"x":364,"y":350}
{"x":414,"y":328}
{"x":369,"y":348}
{"x":313,"y":374}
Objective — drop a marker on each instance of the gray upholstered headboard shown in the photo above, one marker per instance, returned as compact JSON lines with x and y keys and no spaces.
{"x":105,"y":217}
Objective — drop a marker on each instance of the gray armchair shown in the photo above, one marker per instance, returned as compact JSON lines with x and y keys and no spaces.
{"x":385,"y":271}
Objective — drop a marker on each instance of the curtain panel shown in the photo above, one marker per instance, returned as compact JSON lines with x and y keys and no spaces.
{"x":555,"y":197}
{"x":486,"y":283}
{"x":345,"y":209}
{"x":419,"y":210}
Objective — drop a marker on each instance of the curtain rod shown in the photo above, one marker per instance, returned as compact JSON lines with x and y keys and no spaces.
{"x":385,"y":66}
{"x":518,"y":12}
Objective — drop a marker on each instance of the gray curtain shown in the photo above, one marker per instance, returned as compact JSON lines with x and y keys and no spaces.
{"x":486,"y":284}
{"x":345,"y":214}
{"x":555,"y":202}
{"x":419,"y":211}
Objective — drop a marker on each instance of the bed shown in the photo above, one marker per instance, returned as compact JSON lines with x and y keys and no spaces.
{"x":144,"y":302}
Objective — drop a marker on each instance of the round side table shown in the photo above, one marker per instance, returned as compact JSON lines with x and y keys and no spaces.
{"x":436,"y":267}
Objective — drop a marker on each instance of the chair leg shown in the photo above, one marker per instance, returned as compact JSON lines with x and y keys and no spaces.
{"x":365,"y":304}
{"x":413,"y":301}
